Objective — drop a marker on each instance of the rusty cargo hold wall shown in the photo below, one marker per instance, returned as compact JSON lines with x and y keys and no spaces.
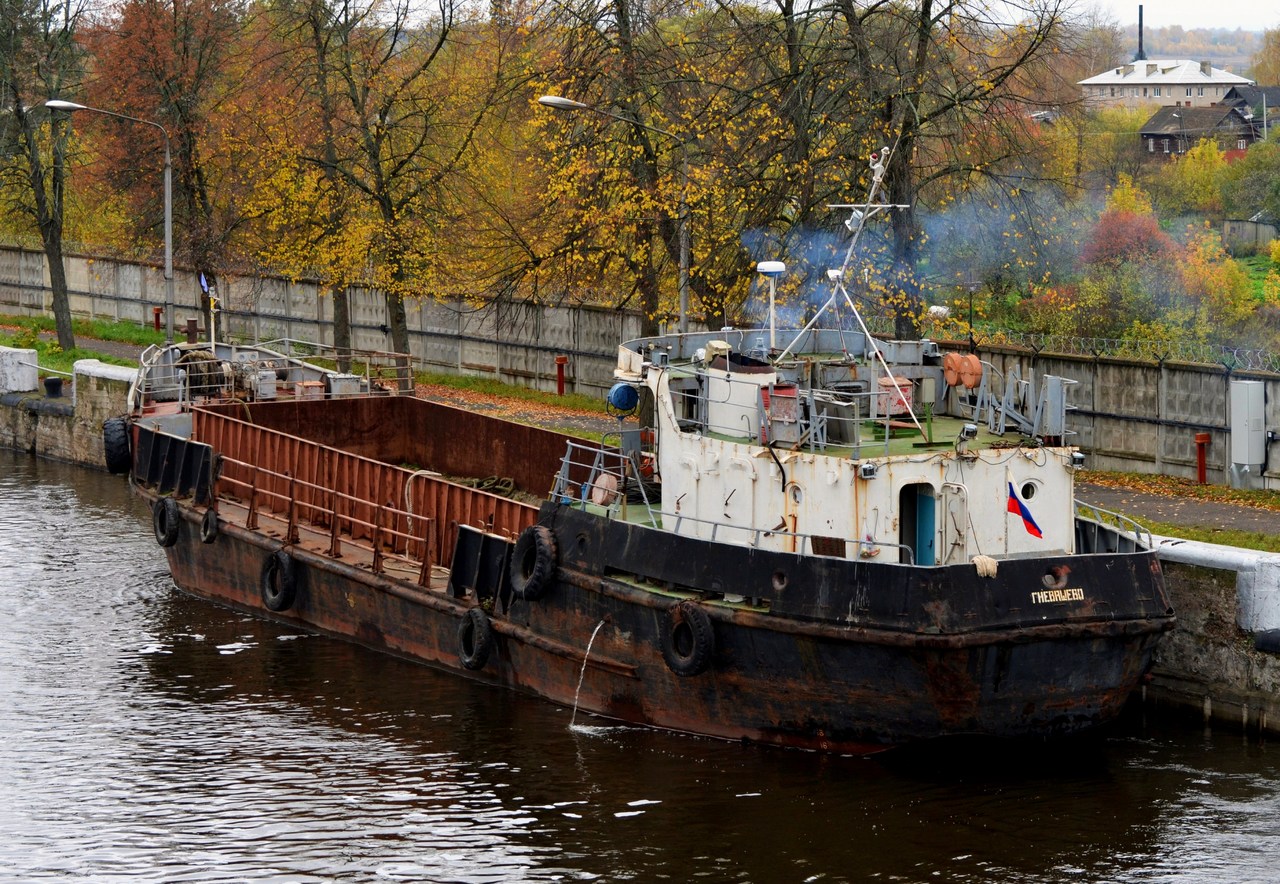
{"x":414,"y":432}
{"x":326,"y":482}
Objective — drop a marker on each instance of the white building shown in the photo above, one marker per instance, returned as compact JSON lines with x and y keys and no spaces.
{"x":1160,"y":82}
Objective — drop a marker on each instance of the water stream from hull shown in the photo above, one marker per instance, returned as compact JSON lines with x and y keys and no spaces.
{"x":583,"y":674}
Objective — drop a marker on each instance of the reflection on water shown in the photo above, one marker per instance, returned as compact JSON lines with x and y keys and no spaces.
{"x":149,"y":736}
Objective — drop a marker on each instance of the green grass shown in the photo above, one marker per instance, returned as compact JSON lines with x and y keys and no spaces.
{"x":50,"y":356}
{"x":1256,"y":267}
{"x":1223,"y":536}
{"x":98,"y":329}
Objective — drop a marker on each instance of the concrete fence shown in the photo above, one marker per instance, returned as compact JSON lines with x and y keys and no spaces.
{"x":514,"y":342}
{"x":1134,"y":415}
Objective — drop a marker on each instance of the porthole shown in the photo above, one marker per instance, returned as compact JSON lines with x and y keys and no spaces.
{"x":1029,"y":490}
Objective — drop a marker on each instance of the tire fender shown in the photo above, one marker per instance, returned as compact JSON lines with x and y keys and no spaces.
{"x":165,"y":521}
{"x":533,"y":562}
{"x":475,"y":639}
{"x":278,"y":583}
{"x":688,"y":639}
{"x":209,"y":526}
{"x":116,"y":444}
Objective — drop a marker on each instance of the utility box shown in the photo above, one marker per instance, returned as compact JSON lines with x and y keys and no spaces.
{"x":266,"y":386}
{"x":1248,"y":431}
{"x":341,"y":386}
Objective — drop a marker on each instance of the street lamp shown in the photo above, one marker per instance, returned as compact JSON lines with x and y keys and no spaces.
{"x":557,"y":102}
{"x":59,"y":104}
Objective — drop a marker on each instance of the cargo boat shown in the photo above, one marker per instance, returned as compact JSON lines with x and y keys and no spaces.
{"x":808,"y":537}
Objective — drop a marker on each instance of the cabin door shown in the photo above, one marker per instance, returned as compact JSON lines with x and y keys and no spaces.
{"x":918,"y":521}
{"x":955,"y":524}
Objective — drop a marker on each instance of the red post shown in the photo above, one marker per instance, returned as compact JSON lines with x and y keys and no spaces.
{"x":561,"y":362}
{"x":1202,"y":449}
{"x":156,"y":313}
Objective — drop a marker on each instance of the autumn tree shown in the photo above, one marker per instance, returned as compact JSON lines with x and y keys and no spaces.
{"x":945,"y":83}
{"x":396,"y":111}
{"x":1251,"y":186}
{"x":174,"y":63}
{"x":39,"y":58}
{"x":1265,"y":66}
{"x":1216,"y":286}
{"x":1194,"y":181}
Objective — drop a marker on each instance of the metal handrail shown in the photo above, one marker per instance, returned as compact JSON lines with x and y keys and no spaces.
{"x":1117,"y":521}
{"x":292,"y":507}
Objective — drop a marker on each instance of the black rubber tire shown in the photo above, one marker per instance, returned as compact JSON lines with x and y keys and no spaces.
{"x":209,"y":526}
{"x":1267,"y":641}
{"x":533,"y":562}
{"x":475,"y":639}
{"x":688,"y":639}
{"x":115,"y":445}
{"x":278,"y":584}
{"x":165,"y":520}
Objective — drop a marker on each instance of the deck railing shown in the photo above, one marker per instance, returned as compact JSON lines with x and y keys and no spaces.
{"x":360,"y":498}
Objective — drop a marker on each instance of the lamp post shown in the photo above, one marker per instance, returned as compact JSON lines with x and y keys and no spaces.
{"x":557,"y":102}
{"x":59,"y":104}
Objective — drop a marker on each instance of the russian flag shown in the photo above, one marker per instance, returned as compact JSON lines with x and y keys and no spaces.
{"x":1018,"y":508}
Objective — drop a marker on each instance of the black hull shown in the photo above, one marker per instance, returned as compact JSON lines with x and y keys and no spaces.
{"x":818,"y":653}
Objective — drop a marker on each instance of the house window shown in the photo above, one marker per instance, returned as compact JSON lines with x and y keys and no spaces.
{"x":1144,"y":91}
{"x":1133,"y":91}
{"x":1156,"y":92}
{"x":1200,"y":91}
{"x":1241,"y":144}
{"x":1188,"y":92}
{"x":1151,"y":145}
{"x":1113,"y":91}
{"x":1165,"y":143}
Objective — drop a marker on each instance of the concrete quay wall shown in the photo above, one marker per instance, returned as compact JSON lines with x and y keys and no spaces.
{"x":1209,"y":666}
{"x":67,"y":427}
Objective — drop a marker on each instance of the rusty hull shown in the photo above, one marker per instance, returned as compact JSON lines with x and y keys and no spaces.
{"x":812,"y":652}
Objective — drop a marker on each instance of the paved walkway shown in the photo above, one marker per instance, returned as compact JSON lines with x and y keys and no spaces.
{"x":1185,"y":511}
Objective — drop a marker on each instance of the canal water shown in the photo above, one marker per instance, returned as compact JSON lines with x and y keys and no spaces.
{"x":148,"y":736}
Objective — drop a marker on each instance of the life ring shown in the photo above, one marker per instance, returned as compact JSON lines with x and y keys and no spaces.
{"x":278,"y":585}
{"x":688,"y":641}
{"x":533,"y":562}
{"x":115,"y":445}
{"x":475,"y":639}
{"x":951,"y":369}
{"x":209,"y":526}
{"x":165,"y":519}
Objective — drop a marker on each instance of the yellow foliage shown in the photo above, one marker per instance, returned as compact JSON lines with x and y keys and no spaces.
{"x":1127,"y":197}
